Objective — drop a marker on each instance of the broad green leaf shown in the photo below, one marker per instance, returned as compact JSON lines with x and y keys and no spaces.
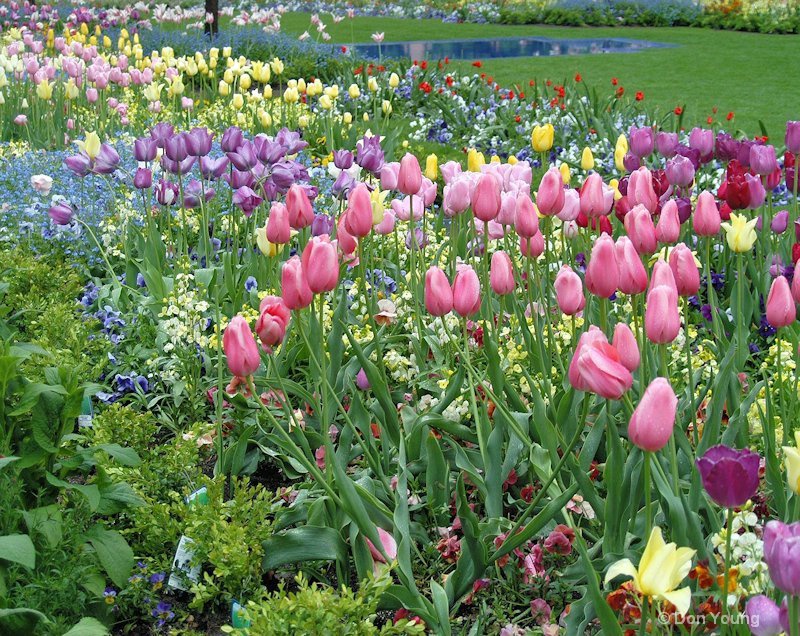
{"x":113,"y":552}
{"x":88,"y":626}
{"x":18,"y":548}
{"x":308,"y":543}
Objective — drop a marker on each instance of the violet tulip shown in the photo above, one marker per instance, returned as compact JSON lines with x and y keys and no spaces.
{"x":642,"y":141}
{"x":143,"y":179}
{"x":240,"y":348}
{"x":793,"y":137}
{"x":62,"y":214}
{"x":730,"y":477}
{"x":602,"y":273}
{"x":466,"y":291}
{"x":569,"y":291}
{"x":438,"y":293}
{"x":667,"y":144}
{"x":653,"y":419}
{"x":781,"y":310}
{"x":763,"y":160}
{"x":501,"y":275}
{"x":702,"y":140}
{"x":295,"y":291}
{"x":781,"y":549}
{"x":680,"y":171}
{"x":320,"y":264}
{"x":247,"y":200}
{"x":763,"y":616}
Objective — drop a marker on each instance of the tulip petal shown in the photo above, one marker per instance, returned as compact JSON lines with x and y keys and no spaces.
{"x":623,"y":567}
{"x":681,"y":599}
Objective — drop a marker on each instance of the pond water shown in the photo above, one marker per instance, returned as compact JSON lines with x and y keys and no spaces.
{"x":504,"y":47}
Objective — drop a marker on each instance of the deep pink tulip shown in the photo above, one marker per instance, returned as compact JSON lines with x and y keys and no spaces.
{"x":625,"y":343}
{"x":796,"y":285}
{"x":632,"y":274}
{"x":792,"y":138}
{"x":294,"y":287}
{"x":706,"y":220}
{"x":240,"y":348}
{"x":662,"y":320}
{"x":486,"y":198}
{"x":409,"y":176}
{"x":301,"y":214}
{"x":569,"y":291}
{"x":781,"y":310}
{"x":640,"y":229}
{"x":602,"y":273}
{"x":388,"y":544}
{"x":359,"y":214}
{"x":653,"y":419}
{"x":501,"y":275}
{"x":596,"y":367}
{"x":592,"y":196}
{"x":526,"y":221}
{"x":668,"y":229}
{"x":684,"y":269}
{"x":438,"y":293}
{"x":532,"y":247}
{"x":550,"y":197}
{"x":279,"y":230}
{"x":272,"y":323}
{"x":641,"y":191}
{"x":320,"y":264}
{"x":466,"y":291}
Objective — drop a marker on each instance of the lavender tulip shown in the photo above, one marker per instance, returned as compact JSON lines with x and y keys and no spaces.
{"x":61,"y":213}
{"x":782,"y":555}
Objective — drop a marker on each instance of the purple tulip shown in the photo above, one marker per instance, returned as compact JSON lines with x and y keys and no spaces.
{"x":727,"y":147}
{"x":342,"y":159}
{"x":782,"y":555}
{"x":244,"y":158}
{"x":418,"y":241}
{"x":194,"y":193}
{"x":145,"y":149}
{"x":161,"y":132}
{"x":793,"y":137}
{"x":231,"y":139}
{"x":631,"y":162}
{"x":343,"y":184}
{"x":143,"y":179}
{"x":692,"y":154}
{"x":667,"y":144}
{"x":757,"y":192}
{"x":642,"y":141}
{"x":213,"y":168}
{"x":166,"y":192}
{"x":270,"y":152}
{"x":322,"y":224}
{"x":247,"y":200}
{"x":763,"y":616}
{"x":106,"y":160}
{"x":680,"y":171}
{"x":743,"y":154}
{"x":361,"y":380}
{"x":762,"y":160}
{"x":729,"y":476}
{"x":239,"y":179}
{"x":61,"y":214}
{"x":290,"y":140}
{"x":175,"y":148}
{"x":370,"y":154}
{"x":80,"y":164}
{"x":780,"y":222}
{"x":198,"y":142}
{"x":178,"y":167}
{"x":684,"y":208}
{"x":283,"y":175}
{"x":702,"y":140}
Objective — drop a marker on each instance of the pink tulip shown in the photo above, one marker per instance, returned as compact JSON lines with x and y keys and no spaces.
{"x":450,"y":171}
{"x":359,"y":214}
{"x":347,"y":243}
{"x":532,"y":247}
{"x":684,"y":270}
{"x":456,"y":197}
{"x":653,"y":418}
{"x":278,"y":229}
{"x":240,"y":348}
{"x":389,"y":174}
{"x":632,"y":274}
{"x":592,"y":196}
{"x":409,"y":177}
{"x":486,"y":198}
{"x":596,"y":367}
{"x":320,"y":264}
{"x":466,"y":291}
{"x":602,"y":273}
{"x":640,"y":229}
{"x":438,"y":293}
{"x":640,"y":190}
{"x":274,"y":305}
{"x":550,"y":197}
{"x":572,"y":205}
{"x":386,"y":226}
{"x":662,"y":275}
{"x":781,"y":310}
{"x":796,"y":285}
{"x":625,"y":343}
{"x":569,"y":291}
{"x":271,"y":325}
{"x":501,"y":275}
{"x":301,"y":214}
{"x":668,"y":229}
{"x":662,"y":321}
{"x":508,"y":209}
{"x":388,"y":544}
{"x":526,"y":221}
{"x":294,"y":286}
{"x":706,"y":220}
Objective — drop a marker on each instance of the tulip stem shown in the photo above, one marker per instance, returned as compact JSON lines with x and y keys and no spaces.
{"x":726,"y":574}
{"x":645,"y":615}
{"x":794,"y":615}
{"x":648,"y":513}
{"x":741,"y":327}
{"x":689,"y":376}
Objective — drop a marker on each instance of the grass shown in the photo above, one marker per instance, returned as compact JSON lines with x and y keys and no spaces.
{"x":753,"y":75}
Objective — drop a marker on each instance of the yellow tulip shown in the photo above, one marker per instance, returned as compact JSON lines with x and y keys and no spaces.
{"x":377,"y":198}
{"x":566,"y":175}
{"x":44,"y":90}
{"x":432,"y":167}
{"x":512,"y":160}
{"x":622,"y":144}
{"x":237,"y":101}
{"x":303,"y":121}
{"x":619,"y":160}
{"x":268,"y":92}
{"x":662,"y":567}
{"x":495,"y":159}
{"x":542,"y":137}
{"x":475,"y":160}
{"x":90,"y":145}
{"x":264,"y":118}
{"x":177,"y":87}
{"x":325,"y":102}
{"x":266,"y":248}
{"x":386,"y":107}
{"x":614,"y":185}
{"x":277,"y":66}
{"x":244,"y":81}
{"x":224,"y":88}
{"x":301,"y":86}
{"x":365,"y":117}
{"x":354,"y":91}
{"x":347,"y":118}
{"x":372,"y":84}
{"x":394,"y":80}
{"x":792,"y":458}
{"x":740,"y":232}
{"x":226,"y":52}
{"x":587,"y":159}
{"x":2,"y":99}
{"x":290,"y":95}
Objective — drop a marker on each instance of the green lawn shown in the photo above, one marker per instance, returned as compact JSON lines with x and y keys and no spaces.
{"x":755,"y":76}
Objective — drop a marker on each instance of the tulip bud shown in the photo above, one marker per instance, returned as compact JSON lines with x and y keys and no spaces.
{"x":653,"y":418}
{"x":294,"y":286}
{"x":550,"y":196}
{"x":278,"y":229}
{"x":668,"y":229}
{"x":640,"y":229}
{"x":781,"y":310}
{"x":320,"y":264}
{"x":569,"y":291}
{"x":359,"y":214}
{"x":602,"y":273}
{"x":793,"y":137}
{"x":662,"y":321}
{"x":438,"y":293}
{"x":501,"y":276}
{"x":301,"y":214}
{"x":466,"y":291}
{"x":532,"y":247}
{"x":592,"y":196}
{"x":632,"y":274}
{"x":486,"y":198}
{"x":684,"y":269}
{"x":706,"y":220}
{"x":409,"y":177}
{"x":625,"y":343}
{"x":526,"y":221}
{"x":640,"y":190}
{"x":240,"y":348}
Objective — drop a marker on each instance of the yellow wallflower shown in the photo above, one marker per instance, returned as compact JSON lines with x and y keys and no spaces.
{"x":542,"y":137}
{"x":792,"y":455}
{"x":662,"y":567}
{"x":740,"y":232}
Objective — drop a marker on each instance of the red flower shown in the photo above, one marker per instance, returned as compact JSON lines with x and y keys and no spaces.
{"x":795,"y":252}
{"x":344,"y":49}
{"x":730,"y":116}
{"x":521,"y":95}
{"x":517,"y":119}
{"x":639,"y":96}
{"x":424,"y":65}
{"x":578,"y":77}
{"x":678,"y":110}
{"x":531,"y":83}
{"x":477,"y":64}
{"x":447,"y":60}
{"x":710,"y":120}
{"x":614,"y":81}
{"x":449,"y":80}
{"x":620,"y":91}
{"x":425,"y":87}
{"x":358,"y":70}
{"x":714,"y":110}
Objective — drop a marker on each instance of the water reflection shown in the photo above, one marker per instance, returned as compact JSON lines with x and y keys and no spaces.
{"x":505,"y":47}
